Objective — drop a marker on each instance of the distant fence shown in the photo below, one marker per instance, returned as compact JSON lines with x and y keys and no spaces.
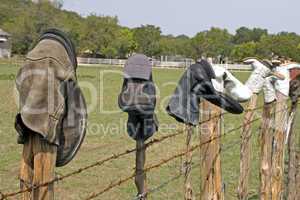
{"x":15,"y":62}
{"x":121,"y":62}
{"x":161,"y":64}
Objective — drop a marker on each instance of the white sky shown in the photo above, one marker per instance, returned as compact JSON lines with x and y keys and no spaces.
{"x":191,"y":16}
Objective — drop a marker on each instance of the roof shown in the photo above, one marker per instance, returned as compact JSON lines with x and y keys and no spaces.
{"x":3,"y":33}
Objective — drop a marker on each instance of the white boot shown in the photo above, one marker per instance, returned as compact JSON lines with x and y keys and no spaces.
{"x":260,"y":72}
{"x":218,"y":82}
{"x":283,"y":86}
{"x":269,"y":90}
{"x":236,"y":89}
{"x":226,"y":83}
{"x":273,"y":84}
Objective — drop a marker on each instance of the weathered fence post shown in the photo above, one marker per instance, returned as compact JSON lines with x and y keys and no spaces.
{"x":211,"y":175}
{"x":140,"y":178}
{"x":26,"y":173}
{"x":278,"y":148}
{"x":37,"y":167}
{"x":188,"y":195}
{"x":246,"y":150}
{"x":293,"y":183}
{"x":266,"y":151}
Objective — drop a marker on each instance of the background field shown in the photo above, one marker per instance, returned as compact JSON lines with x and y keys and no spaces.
{"x":107,"y":134}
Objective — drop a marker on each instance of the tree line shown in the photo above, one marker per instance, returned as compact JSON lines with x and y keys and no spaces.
{"x":103,"y":36}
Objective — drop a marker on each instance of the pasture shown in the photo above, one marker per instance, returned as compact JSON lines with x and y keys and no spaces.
{"x":107,"y":135}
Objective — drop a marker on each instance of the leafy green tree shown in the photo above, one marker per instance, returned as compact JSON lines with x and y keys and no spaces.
{"x":28,"y":24}
{"x":147,"y":38}
{"x":298,"y":47}
{"x":244,"y":50}
{"x":258,"y":33}
{"x":282,"y":44}
{"x":172,"y":46}
{"x":22,"y":32}
{"x":124,"y":43}
{"x":71,"y":23}
{"x":212,"y":43}
{"x":45,"y":16}
{"x":244,"y":35}
{"x":168,"y":45}
{"x":98,"y":33}
{"x":25,"y":21}
{"x":110,"y":52}
{"x":184,"y":46}
{"x":4,"y":14}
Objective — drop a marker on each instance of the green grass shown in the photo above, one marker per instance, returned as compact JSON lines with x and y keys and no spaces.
{"x":102,"y":141}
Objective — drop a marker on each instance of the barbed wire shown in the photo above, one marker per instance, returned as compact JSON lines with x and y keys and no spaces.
{"x":222,"y":149}
{"x":159,"y":164}
{"x":226,"y":113}
{"x":98,"y":163}
{"x":164,"y":161}
{"x":126,"y":152}
{"x":164,"y":184}
{"x":159,"y":187}
{"x":149,"y":168}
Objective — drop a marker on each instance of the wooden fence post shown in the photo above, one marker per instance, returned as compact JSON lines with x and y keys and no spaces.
{"x":140,"y":177}
{"x":188,"y":194}
{"x":246,"y":150}
{"x":211,"y":175}
{"x":37,"y":167}
{"x":266,"y":151}
{"x":293,"y":183}
{"x":26,"y":172}
{"x":278,"y":148}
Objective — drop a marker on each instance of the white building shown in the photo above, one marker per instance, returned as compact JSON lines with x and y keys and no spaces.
{"x":5,"y":46}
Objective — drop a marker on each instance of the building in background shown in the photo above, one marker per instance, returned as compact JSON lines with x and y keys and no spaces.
{"x":5,"y":45}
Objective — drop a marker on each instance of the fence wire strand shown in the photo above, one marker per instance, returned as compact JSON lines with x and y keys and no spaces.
{"x":164,"y":161}
{"x":129,"y":151}
{"x":179,"y":175}
{"x":99,"y":163}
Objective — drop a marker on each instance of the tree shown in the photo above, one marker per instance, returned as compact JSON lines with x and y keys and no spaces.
{"x":244,"y":35}
{"x":23,"y":29}
{"x":244,"y":50}
{"x":212,"y":43}
{"x":147,"y":38}
{"x":258,"y":33}
{"x":98,"y":33}
{"x":172,"y":46}
{"x":168,"y":45}
{"x":184,"y":46}
{"x":125,"y":43}
{"x":102,"y":35}
{"x":109,"y":52}
{"x":72,"y":24}
{"x":29,"y":23}
{"x":4,"y":14}
{"x":282,"y":44}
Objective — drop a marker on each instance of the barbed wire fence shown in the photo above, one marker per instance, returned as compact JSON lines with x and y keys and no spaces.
{"x":179,"y":155}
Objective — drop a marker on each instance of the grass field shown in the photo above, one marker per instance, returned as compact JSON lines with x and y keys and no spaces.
{"x":107,"y":135}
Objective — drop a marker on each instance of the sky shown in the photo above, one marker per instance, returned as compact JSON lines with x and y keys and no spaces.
{"x":192,"y":16}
